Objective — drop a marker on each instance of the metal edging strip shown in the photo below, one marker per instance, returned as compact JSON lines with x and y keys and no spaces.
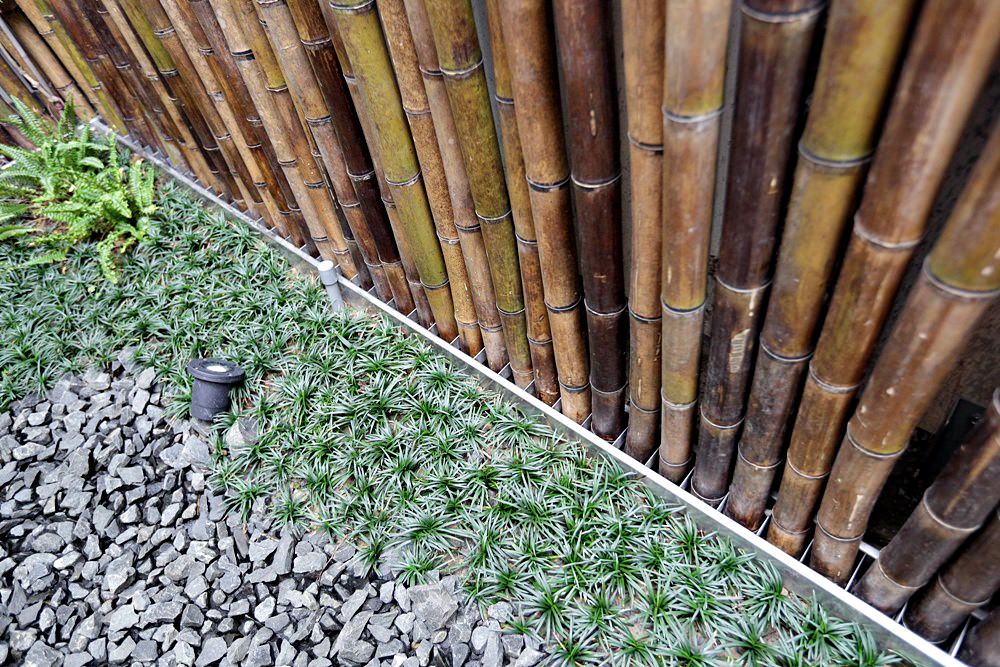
{"x":797,"y":576}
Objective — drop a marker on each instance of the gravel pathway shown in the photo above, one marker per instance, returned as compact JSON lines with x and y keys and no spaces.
{"x":113,"y":549}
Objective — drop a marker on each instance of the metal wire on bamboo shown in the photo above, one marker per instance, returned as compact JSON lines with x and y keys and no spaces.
{"x":959,"y":281}
{"x":938,"y":85}
{"x":583,"y":31}
{"x":527,"y":29}
{"x":775,"y":42}
{"x":863,"y":42}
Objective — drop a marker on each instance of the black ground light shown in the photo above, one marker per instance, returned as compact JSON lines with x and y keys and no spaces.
{"x":213,"y":380}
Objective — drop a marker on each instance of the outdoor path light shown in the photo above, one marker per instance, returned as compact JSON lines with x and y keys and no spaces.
{"x":213,"y":379}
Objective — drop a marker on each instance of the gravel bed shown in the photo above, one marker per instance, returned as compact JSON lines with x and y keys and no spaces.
{"x":114,"y":549}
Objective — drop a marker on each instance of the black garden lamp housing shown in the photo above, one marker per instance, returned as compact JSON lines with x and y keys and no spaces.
{"x":213,"y":380}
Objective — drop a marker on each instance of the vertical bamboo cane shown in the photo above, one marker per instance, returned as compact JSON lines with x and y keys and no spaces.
{"x":960,"y":279}
{"x":981,"y":647}
{"x":461,"y":63}
{"x":467,"y":224}
{"x":941,"y":76}
{"x":966,"y":584}
{"x":359,"y":28}
{"x":583,"y":31}
{"x":693,"y":81}
{"x":527,"y":28}
{"x":642,"y":36}
{"x":954,"y":507}
{"x":774,"y":47}
{"x":863,"y":41}
{"x":415,"y":101}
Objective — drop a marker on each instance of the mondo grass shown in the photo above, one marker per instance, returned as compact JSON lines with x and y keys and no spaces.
{"x":367,"y":435}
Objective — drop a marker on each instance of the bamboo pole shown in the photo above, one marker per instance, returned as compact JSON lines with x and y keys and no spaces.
{"x":965,"y":585}
{"x":467,"y":224}
{"x":692,"y":96}
{"x":642,"y":41}
{"x":527,"y":30}
{"x":864,"y":39}
{"x":401,"y":273}
{"x":948,"y":59}
{"x":39,"y":51}
{"x":981,"y":647}
{"x":359,"y":28}
{"x":953,"y":508}
{"x":775,"y":42}
{"x":359,"y":193}
{"x":402,"y":52}
{"x":293,"y":64}
{"x":960,"y":279}
{"x":461,"y":63}
{"x":583,"y":35}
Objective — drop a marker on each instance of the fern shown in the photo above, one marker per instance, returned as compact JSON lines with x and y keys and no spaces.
{"x":72,"y":188}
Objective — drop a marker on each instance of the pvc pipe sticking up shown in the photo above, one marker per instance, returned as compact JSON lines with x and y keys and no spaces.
{"x":328,"y":276}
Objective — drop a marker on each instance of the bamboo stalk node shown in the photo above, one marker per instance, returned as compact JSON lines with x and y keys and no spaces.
{"x":683,"y":119}
{"x":642,"y":145}
{"x":807,"y":14}
{"x":547,"y":187}
{"x":594,"y":185}
{"x":752,"y":464}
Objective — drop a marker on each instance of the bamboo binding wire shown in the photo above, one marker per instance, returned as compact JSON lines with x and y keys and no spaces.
{"x":775,"y":40}
{"x":583,"y":35}
{"x":959,"y":280}
{"x":941,"y":76}
{"x":863,"y":42}
{"x":642,"y":41}
{"x":527,"y":31}
{"x":691,"y":117}
{"x":461,"y":62}
{"x":953,"y":507}
{"x":362,"y":37}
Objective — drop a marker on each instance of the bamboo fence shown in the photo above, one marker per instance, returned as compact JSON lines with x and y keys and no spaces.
{"x":487,"y":167}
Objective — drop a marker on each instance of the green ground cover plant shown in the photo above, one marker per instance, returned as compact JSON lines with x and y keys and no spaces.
{"x":71,"y":188}
{"x":369,"y":436}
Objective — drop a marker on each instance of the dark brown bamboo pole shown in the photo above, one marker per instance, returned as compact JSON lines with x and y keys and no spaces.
{"x":692,"y":95}
{"x":296,"y":70}
{"x":960,"y":279}
{"x":965,"y":585}
{"x":953,"y":508}
{"x":586,"y":58}
{"x":370,"y":183}
{"x":775,"y":43}
{"x":416,"y":104}
{"x":466,"y":223}
{"x":358,"y":197}
{"x":642,"y":40}
{"x":864,"y":39}
{"x":949,"y":56}
{"x":539,"y":333}
{"x":461,"y":62}
{"x":981,"y":647}
{"x":528,"y":32}
{"x":38,"y":50}
{"x":359,"y":27}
